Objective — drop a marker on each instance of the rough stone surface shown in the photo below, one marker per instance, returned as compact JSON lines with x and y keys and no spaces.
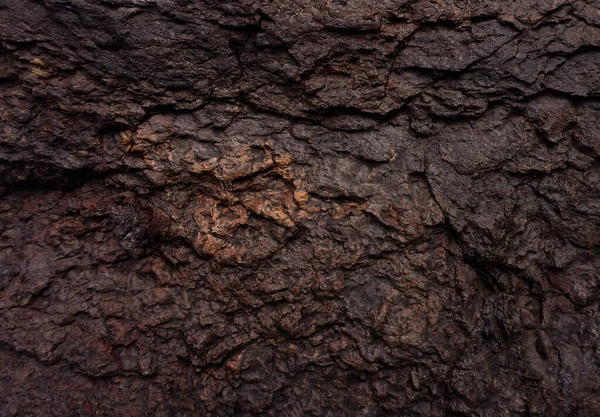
{"x":299,"y":208}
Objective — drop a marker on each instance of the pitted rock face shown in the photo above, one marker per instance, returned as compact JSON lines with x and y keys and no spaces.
{"x":313,"y":208}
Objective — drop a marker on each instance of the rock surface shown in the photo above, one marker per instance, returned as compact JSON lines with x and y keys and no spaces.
{"x":299,"y":208}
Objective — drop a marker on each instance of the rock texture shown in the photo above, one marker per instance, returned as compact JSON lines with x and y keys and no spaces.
{"x":299,"y":208}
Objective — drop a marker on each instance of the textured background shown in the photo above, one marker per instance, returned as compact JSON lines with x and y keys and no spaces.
{"x":299,"y":208}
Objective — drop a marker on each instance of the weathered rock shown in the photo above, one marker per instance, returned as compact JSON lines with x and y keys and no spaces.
{"x":334,"y":208}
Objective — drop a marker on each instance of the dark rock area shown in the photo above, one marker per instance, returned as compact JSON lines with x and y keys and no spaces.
{"x":300,"y":208}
